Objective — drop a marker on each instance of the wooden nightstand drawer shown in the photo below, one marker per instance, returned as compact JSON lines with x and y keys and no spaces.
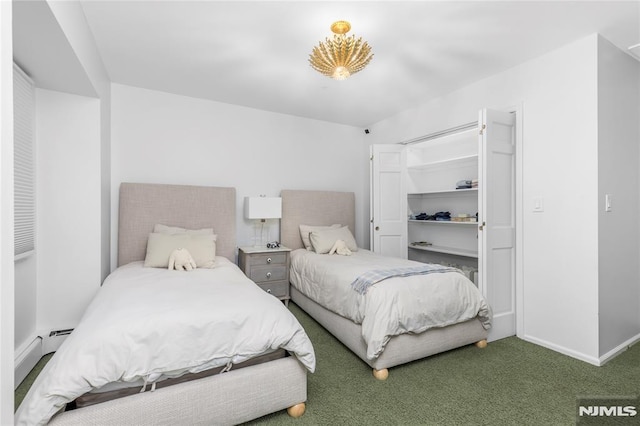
{"x":278,"y":289}
{"x":268,"y":268}
{"x":268,"y":273}
{"x":268,"y":259}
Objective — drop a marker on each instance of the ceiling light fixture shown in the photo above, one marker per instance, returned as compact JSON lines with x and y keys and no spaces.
{"x":340,"y":56}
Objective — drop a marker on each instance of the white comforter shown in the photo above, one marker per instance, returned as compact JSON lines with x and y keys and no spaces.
{"x":393,"y":306}
{"x":146,"y":323}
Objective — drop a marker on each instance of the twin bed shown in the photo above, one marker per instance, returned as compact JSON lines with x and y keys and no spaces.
{"x":150,"y":327}
{"x":380,"y":346}
{"x":147,"y":324}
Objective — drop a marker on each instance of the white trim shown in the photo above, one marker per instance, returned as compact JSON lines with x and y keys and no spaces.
{"x":27,"y":357}
{"x":519,"y":205}
{"x":619,"y":349}
{"x":563,"y":350}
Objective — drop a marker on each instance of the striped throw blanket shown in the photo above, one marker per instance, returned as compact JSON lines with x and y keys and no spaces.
{"x":369,"y":278}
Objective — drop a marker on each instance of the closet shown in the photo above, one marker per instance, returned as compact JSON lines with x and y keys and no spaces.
{"x":449,"y":198}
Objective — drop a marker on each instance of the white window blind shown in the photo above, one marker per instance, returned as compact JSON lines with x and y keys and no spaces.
{"x":23,"y":162}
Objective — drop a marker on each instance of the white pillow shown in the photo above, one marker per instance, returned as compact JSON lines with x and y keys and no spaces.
{"x":305,"y":230}
{"x":323,"y":240}
{"x":160,"y":246}
{"x":171,"y":230}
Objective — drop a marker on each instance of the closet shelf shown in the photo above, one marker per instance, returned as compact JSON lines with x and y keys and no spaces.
{"x":447,"y":250}
{"x":442,"y":222}
{"x":447,"y":161}
{"x":441,"y":192}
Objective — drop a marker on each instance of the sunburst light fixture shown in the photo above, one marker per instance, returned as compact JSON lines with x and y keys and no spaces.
{"x":340,"y":56}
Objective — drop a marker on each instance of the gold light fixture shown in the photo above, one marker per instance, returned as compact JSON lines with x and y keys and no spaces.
{"x":340,"y":56}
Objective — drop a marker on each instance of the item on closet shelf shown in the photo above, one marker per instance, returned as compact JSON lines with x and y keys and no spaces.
{"x":463,"y":217}
{"x":467,"y":184}
{"x":421,"y":243}
{"x":463,"y":184}
{"x":443,"y":216}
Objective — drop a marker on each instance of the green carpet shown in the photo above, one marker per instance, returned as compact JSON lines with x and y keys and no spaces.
{"x":510,"y":382}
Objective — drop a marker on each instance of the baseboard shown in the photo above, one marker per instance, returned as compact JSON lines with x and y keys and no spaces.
{"x":563,"y":350}
{"x":51,"y":342}
{"x":619,"y":349}
{"x":26,"y":359}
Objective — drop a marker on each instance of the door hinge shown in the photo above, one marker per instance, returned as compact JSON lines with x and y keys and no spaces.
{"x":371,"y":158}
{"x":481,"y":227}
{"x":484,"y":126}
{"x":371,"y":220}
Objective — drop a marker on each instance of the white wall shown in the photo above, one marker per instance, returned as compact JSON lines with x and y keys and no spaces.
{"x":68,"y":200}
{"x":557,"y":93}
{"x":618,"y":150}
{"x":6,"y":215}
{"x":70,"y":17}
{"x":25,"y":302}
{"x":163,"y":138}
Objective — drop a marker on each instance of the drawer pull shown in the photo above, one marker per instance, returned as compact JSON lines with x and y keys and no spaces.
{"x":269,"y":290}
{"x":268,"y":260}
{"x":268,"y":274}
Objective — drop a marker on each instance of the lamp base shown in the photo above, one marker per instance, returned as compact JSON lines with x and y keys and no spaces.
{"x":259,"y":239}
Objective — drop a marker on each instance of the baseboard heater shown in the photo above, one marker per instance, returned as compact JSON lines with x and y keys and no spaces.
{"x":61,"y":332}
{"x":26,"y":360}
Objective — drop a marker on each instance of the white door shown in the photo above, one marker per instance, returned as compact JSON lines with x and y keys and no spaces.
{"x":388,"y":201}
{"x":497,"y":219}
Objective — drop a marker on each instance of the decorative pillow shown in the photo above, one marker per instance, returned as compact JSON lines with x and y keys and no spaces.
{"x":160,"y":246}
{"x":171,"y":230}
{"x":324,"y":240}
{"x":305,"y":230}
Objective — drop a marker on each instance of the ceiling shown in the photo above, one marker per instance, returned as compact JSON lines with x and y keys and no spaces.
{"x":255,"y":54}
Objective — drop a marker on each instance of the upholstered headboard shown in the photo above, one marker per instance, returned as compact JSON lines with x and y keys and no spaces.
{"x":142,"y":205}
{"x":314,"y":208}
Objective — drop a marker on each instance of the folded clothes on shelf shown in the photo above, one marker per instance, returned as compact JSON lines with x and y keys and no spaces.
{"x":437,"y":216}
{"x":467,"y":184}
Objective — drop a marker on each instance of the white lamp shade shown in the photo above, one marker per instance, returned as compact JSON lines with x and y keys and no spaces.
{"x":263,"y":207}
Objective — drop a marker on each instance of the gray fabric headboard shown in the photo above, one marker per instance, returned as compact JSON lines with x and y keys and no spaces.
{"x":314,"y":208}
{"x":142,"y":205}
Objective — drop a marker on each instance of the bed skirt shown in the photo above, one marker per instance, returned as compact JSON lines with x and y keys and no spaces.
{"x":228,"y":398}
{"x":400,"y":349}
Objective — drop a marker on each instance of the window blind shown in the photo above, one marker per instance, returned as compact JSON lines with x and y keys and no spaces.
{"x":23,"y":162}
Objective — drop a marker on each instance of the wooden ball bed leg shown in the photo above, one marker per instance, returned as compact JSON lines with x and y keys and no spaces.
{"x":297,"y":410}
{"x":381,"y":374}
{"x":482,"y":343}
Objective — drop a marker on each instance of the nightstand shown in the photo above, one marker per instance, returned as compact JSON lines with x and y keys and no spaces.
{"x":268,"y":268}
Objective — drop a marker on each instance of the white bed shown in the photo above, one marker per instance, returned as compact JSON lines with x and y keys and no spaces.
{"x":149,"y":324}
{"x":399,"y":319}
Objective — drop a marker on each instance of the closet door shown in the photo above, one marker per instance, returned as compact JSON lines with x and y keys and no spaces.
{"x":497,"y":219}
{"x":388,"y":214}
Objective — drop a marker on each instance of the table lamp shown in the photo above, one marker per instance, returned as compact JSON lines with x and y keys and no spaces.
{"x":260,"y":209}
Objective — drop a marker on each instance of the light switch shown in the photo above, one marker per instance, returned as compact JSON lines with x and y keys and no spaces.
{"x":607,"y":202}
{"x":538,"y":204}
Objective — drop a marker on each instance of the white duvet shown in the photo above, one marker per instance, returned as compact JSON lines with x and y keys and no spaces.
{"x":145,"y":323}
{"x":391,"y":307}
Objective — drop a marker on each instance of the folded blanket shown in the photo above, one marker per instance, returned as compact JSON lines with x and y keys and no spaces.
{"x":369,"y":278}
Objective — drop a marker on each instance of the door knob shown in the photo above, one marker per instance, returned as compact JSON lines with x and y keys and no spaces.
{"x":377,"y":228}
